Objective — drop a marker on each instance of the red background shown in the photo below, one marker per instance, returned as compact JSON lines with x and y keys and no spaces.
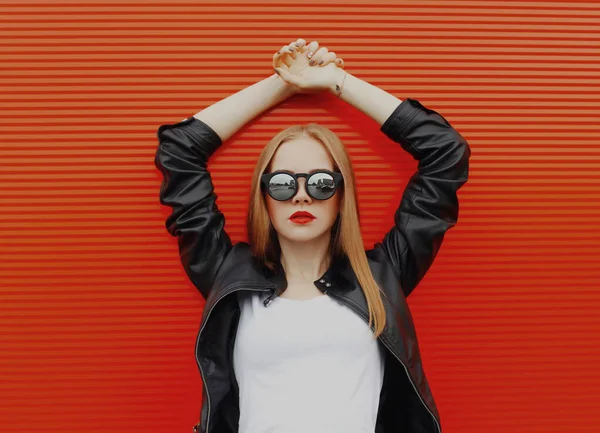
{"x":97,"y":319}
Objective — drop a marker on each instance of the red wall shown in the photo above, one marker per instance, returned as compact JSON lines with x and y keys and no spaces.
{"x":97,"y":318}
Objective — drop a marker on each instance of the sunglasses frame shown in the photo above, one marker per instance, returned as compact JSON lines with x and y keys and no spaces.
{"x":266,"y":178}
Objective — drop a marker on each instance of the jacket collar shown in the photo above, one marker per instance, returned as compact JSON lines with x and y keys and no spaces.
{"x":338,"y":275}
{"x":338,"y":278}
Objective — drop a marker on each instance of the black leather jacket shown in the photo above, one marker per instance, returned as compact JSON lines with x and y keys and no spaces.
{"x":428,"y":208}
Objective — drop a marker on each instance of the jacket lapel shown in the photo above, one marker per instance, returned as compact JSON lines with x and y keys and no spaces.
{"x":240,"y":269}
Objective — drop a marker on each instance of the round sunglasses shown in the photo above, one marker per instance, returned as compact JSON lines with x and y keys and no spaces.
{"x":283,"y":185}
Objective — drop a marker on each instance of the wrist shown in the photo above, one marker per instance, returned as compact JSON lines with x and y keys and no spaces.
{"x":336,"y":86}
{"x":284,"y":88}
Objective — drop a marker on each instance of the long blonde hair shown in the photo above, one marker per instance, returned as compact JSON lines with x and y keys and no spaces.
{"x":345,"y":235}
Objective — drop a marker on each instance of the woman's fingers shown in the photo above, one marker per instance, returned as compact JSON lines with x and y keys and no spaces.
{"x":283,"y":56}
{"x":295,"y":48}
{"x":312,"y":48}
{"x":292,"y":49}
{"x":279,"y":55}
{"x":327,"y":58}
{"x":318,"y":56}
{"x":287,"y":54}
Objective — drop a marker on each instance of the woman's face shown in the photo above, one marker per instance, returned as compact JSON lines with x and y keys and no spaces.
{"x":302,"y":156}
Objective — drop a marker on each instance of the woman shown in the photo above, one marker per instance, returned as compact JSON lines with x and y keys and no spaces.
{"x":336,"y":349}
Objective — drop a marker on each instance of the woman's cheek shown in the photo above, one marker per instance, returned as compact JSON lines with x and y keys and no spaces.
{"x":280,"y":216}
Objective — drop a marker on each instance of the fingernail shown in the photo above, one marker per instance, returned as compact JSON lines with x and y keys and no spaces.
{"x":298,"y":44}
{"x":312,"y":63}
{"x":310,"y":54}
{"x":321,"y":62}
{"x":291,"y":49}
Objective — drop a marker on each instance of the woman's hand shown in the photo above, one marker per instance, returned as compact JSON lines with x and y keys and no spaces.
{"x":308,"y":68}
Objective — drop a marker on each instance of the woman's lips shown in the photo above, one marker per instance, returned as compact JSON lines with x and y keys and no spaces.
{"x":301,"y":220}
{"x":302,"y":217}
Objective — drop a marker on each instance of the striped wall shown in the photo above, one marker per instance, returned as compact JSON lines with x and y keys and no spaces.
{"x":97,"y":318}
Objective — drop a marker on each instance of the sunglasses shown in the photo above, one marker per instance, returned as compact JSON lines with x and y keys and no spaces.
{"x":283,"y":185}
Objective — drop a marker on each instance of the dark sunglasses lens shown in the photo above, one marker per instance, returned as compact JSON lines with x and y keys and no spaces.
{"x":321,"y":186}
{"x":282,"y":186}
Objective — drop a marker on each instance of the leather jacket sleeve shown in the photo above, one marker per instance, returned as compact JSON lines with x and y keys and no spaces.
{"x":182,"y":156}
{"x":429,"y":205}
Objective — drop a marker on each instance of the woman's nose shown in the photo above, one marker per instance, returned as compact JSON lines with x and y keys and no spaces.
{"x":302,"y":195}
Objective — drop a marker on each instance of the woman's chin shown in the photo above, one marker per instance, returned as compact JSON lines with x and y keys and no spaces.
{"x":303,"y":233}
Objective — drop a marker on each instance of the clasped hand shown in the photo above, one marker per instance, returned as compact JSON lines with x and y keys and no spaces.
{"x":308,"y":68}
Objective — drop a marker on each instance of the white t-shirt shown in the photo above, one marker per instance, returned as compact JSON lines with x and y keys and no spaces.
{"x":305,"y":366}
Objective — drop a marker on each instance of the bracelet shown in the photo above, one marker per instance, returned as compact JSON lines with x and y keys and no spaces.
{"x":338,"y":89}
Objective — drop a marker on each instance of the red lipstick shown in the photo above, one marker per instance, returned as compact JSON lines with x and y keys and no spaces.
{"x":302,"y":217}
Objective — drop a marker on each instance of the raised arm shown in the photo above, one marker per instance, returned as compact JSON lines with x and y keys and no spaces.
{"x":182,"y":156}
{"x":429,"y":204}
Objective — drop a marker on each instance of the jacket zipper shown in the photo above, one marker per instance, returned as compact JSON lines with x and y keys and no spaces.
{"x":268,"y":301}
{"x":236,"y":287}
{"x":383,"y":340}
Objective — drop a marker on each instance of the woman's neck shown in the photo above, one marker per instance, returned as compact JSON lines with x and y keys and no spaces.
{"x":305,"y":261}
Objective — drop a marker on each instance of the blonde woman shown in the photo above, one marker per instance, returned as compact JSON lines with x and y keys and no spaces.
{"x":303,"y":330}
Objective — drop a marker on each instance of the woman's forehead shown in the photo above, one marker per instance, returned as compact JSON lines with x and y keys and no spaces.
{"x":301,"y":156}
